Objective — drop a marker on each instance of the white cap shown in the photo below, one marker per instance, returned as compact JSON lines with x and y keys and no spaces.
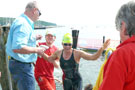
{"x":50,"y":32}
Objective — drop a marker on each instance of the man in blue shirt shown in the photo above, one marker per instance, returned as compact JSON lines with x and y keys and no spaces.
{"x":21,"y":47}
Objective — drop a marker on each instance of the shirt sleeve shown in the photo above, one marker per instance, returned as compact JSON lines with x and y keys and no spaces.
{"x":20,"y":36}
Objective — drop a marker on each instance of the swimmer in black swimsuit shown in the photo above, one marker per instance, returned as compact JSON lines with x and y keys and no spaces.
{"x":71,"y":77}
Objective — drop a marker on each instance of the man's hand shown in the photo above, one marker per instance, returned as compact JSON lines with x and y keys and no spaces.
{"x":38,"y":37}
{"x":42,"y":46}
{"x":40,"y":50}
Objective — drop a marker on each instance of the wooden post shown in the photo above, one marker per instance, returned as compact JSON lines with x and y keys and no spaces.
{"x":3,"y":63}
{"x":75,"y":34}
{"x":5,"y":79}
{"x":103,"y":39}
{"x":103,"y":43}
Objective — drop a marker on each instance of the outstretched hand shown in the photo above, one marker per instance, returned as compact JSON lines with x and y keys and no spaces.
{"x":106,"y":44}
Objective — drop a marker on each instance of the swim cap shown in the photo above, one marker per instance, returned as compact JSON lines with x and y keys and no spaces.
{"x":50,"y":32}
{"x":67,"y":38}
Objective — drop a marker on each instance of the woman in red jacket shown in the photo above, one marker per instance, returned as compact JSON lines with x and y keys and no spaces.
{"x":119,"y":71}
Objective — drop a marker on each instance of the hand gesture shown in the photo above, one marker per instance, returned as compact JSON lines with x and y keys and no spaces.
{"x":106,"y":44}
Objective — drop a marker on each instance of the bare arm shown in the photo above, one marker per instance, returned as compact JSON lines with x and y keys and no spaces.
{"x":95,"y":56}
{"x":52,"y":59}
{"x":56,"y":63}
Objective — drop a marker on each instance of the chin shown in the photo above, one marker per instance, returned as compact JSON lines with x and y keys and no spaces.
{"x":68,"y":48}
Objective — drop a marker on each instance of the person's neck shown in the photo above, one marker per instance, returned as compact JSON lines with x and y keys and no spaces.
{"x":28,"y":15}
{"x":67,"y":54}
{"x":49,"y":44}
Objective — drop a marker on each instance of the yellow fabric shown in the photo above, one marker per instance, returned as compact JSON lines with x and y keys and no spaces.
{"x":67,"y":38}
{"x":100,"y":75}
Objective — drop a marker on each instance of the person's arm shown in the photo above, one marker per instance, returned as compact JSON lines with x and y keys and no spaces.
{"x":55,"y":63}
{"x":28,"y":50}
{"x":52,"y":59}
{"x":95,"y":56}
{"x":21,"y":37}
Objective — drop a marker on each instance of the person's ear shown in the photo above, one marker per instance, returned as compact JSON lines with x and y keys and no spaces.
{"x":123,"y":28}
{"x":33,"y":11}
{"x":54,"y":38}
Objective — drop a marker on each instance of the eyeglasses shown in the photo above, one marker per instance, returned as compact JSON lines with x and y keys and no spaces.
{"x":67,"y":44}
{"x":39,"y":12}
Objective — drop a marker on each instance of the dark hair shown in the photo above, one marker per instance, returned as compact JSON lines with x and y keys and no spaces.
{"x":88,"y":87}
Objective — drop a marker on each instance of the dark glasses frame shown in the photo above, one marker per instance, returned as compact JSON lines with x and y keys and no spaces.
{"x":39,"y":12}
{"x":67,"y":44}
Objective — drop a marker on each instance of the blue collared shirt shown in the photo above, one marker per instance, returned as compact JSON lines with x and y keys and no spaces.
{"x":20,"y":35}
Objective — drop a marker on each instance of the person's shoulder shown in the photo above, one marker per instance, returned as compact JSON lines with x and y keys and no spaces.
{"x":78,"y":51}
{"x":58,"y":51}
{"x":55,"y":47}
{"x":122,"y":49}
{"x":41,"y":43}
{"x":19,"y":20}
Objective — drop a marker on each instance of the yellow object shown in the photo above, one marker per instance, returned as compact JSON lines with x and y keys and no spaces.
{"x":9,"y":57}
{"x":100,"y":75}
{"x":67,"y":38}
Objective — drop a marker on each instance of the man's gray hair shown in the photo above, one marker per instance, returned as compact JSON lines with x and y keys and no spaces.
{"x":31,"y":5}
{"x":127,"y":14}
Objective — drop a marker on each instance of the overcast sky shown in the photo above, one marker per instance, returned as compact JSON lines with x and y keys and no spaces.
{"x":66,"y":12}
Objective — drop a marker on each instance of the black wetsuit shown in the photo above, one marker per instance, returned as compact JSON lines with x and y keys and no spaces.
{"x":71,"y":78}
